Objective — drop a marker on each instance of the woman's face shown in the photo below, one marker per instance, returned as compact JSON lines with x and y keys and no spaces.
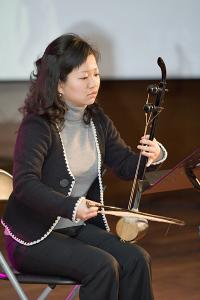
{"x":82,"y":84}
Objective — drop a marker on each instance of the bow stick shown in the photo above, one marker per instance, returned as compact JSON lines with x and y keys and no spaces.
{"x":122,"y":212}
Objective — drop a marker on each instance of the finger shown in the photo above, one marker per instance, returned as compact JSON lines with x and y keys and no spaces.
{"x":149,"y":155}
{"x":147,"y":142}
{"x":87,"y":202}
{"x":90,"y":203}
{"x":149,"y":162}
{"x":146,"y":148}
{"x":93,"y":209}
{"x":147,"y":136}
{"x":95,"y":203}
{"x":90,"y":215}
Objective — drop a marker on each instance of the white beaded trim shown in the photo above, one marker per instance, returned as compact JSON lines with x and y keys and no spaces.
{"x":75,"y":210}
{"x":57,"y":219}
{"x":30,"y":243}
{"x":165,"y":154}
{"x":99,"y":173}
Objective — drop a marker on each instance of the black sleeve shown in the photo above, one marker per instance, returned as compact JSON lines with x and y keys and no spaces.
{"x":118,"y":156}
{"x":32,"y":146}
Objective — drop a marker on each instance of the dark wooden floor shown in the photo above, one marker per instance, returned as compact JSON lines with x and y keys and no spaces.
{"x":175,"y":256}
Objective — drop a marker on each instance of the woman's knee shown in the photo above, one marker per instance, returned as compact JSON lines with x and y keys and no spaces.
{"x":143,"y":256}
{"x":106,"y":266}
{"x":138,"y":257}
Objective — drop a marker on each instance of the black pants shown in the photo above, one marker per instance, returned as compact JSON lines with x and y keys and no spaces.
{"x":107,"y":268}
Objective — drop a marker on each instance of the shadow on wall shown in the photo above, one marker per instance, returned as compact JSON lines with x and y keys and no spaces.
{"x":100,"y":40}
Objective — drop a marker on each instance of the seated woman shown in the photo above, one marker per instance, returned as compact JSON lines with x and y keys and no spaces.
{"x":64,"y":142}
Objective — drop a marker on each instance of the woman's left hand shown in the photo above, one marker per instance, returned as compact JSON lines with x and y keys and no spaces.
{"x":150,"y":149}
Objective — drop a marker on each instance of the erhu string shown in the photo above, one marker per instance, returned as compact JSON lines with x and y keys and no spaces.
{"x":147,"y":122}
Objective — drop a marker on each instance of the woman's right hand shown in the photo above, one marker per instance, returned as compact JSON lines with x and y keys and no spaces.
{"x":84,"y":212}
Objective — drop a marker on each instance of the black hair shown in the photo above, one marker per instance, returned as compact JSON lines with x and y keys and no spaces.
{"x":61,"y":56}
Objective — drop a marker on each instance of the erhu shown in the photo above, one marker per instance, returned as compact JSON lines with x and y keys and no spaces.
{"x":133,"y":224}
{"x":131,"y":229}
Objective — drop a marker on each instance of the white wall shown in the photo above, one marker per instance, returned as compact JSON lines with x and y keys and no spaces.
{"x":130,"y":34}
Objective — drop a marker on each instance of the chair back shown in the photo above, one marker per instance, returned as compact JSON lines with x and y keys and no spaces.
{"x":6,"y":185}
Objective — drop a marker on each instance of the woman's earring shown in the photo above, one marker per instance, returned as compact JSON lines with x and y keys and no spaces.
{"x":60,"y":95}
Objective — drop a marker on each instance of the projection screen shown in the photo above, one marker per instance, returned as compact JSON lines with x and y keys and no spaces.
{"x":129,"y":34}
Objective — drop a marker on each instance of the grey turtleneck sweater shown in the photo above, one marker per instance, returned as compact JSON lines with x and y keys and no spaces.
{"x":80,"y":148}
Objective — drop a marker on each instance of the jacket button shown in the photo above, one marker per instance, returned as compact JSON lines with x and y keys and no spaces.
{"x":64,"y":182}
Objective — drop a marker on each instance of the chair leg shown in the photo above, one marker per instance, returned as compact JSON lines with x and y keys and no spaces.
{"x":12,"y":278}
{"x":46,"y":292}
{"x":74,"y":291}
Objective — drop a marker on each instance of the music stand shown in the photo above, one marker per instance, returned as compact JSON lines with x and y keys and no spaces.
{"x":183,"y":176}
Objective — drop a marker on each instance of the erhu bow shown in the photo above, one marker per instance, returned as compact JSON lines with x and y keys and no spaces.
{"x":133,"y":224}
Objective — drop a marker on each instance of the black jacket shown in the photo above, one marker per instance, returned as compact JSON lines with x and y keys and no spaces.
{"x":42,"y":181}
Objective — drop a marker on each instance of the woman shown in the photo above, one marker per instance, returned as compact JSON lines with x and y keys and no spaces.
{"x":63,"y":143}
